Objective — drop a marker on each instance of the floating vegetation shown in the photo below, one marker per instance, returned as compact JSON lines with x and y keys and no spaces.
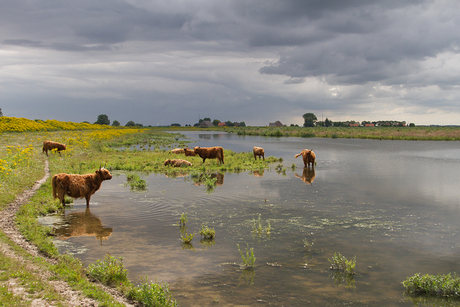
{"x":248,"y":258}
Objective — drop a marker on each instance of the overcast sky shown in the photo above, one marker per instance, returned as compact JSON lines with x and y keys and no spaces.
{"x":257,"y":61}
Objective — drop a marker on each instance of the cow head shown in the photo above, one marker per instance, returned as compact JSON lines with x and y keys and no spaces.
{"x":104,"y":174}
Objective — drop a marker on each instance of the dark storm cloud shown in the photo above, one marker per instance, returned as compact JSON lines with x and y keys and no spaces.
{"x":258,"y":61}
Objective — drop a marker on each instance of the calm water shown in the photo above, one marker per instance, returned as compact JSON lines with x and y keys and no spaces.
{"x":395,"y":205}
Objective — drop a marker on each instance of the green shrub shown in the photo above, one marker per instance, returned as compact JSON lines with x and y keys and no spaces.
{"x":207,"y":232}
{"x":136,"y":182}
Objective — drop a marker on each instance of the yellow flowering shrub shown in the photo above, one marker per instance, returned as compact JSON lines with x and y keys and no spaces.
{"x":14,"y":124}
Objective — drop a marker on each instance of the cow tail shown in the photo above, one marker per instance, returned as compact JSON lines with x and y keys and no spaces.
{"x":297,"y":155}
{"x":53,"y":184}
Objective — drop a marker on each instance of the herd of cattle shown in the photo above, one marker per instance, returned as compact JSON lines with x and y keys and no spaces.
{"x":79,"y":186}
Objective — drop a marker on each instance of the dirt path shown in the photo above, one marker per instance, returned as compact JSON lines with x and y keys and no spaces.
{"x":7,"y":224}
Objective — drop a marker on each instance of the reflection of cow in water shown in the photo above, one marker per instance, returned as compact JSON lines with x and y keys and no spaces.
{"x":83,"y":223}
{"x":201,"y":178}
{"x":308,"y":175}
{"x":258,"y":173}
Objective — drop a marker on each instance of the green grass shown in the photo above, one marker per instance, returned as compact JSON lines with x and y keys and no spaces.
{"x":440,"y":285}
{"x":248,"y":257}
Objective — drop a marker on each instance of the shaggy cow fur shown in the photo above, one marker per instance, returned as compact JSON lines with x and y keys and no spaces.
{"x":50,"y":145}
{"x":177,"y":162}
{"x":78,"y":186}
{"x":177,"y":150}
{"x":210,"y":153}
{"x":258,"y":152}
{"x":189,"y":152}
{"x":308,"y":157}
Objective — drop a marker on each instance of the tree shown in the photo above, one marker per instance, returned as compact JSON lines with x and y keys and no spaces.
{"x":116,"y":123}
{"x":310,"y":119}
{"x":175,"y":125}
{"x":130,"y":124}
{"x":328,"y":122}
{"x":103,"y":119}
{"x":1,"y":114}
{"x":216,"y":122}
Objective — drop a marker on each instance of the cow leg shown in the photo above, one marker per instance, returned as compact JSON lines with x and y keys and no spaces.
{"x":204,"y":159}
{"x":87,"y":197}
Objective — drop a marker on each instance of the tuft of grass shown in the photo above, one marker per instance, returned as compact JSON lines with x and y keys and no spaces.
{"x":187,"y":237}
{"x":152,"y":294}
{"x":109,"y":271}
{"x":441,"y":285}
{"x":342,"y":264}
{"x":207,"y":232}
{"x":136,"y":182}
{"x":248,"y":258}
{"x":183,"y":219}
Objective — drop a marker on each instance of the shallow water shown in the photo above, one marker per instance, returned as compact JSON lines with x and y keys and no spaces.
{"x":392,"y":204}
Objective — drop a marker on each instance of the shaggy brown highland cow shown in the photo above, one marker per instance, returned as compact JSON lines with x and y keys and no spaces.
{"x":308,"y":157}
{"x":258,"y":152}
{"x":177,"y":162}
{"x":210,"y":153}
{"x":189,"y":152}
{"x":78,"y":186}
{"x":50,"y":145}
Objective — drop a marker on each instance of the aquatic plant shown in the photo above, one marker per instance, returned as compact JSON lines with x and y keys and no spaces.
{"x":207,"y":232}
{"x":136,"y":182}
{"x":249,"y":258}
{"x":187,"y":237}
{"x":441,"y":285}
{"x":258,"y":226}
{"x":307,"y":244}
{"x":183,"y":219}
{"x":109,"y":271}
{"x":340,"y":263}
{"x":152,"y":294}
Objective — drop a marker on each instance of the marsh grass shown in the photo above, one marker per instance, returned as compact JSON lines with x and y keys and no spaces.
{"x":342,"y":264}
{"x":248,"y":257}
{"x":136,"y":182}
{"x":152,"y":294}
{"x":110,"y":271}
{"x":430,"y":285}
{"x":207,"y":233}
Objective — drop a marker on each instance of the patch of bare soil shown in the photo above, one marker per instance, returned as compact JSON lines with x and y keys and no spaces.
{"x":7,"y":224}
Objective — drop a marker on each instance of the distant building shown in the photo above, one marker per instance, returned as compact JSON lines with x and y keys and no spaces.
{"x":206,"y":124}
{"x":276,"y":124}
{"x":354,"y":125}
{"x":221,"y":124}
{"x":370,"y":125}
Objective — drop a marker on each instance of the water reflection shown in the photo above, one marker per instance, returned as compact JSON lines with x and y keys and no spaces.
{"x":82,"y":223}
{"x":259,"y":173}
{"x":308,"y":175}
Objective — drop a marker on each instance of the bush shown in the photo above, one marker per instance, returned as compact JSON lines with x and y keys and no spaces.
{"x":109,"y":271}
{"x":152,"y":294}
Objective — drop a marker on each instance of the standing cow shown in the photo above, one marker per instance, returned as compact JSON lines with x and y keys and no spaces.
{"x":308,"y":157}
{"x":78,"y":186}
{"x":258,"y":152}
{"x":50,"y":145}
{"x":210,"y":153}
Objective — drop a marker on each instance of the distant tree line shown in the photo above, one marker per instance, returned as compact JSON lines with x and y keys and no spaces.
{"x":207,"y":122}
{"x":103,"y":119}
{"x":310,"y":120}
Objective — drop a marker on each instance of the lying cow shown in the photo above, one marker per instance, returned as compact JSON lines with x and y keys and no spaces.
{"x":78,"y":186}
{"x":258,"y":152}
{"x":189,"y":152}
{"x":177,"y":150}
{"x":308,"y":157}
{"x":210,"y":153}
{"x":50,"y":145}
{"x":177,"y":162}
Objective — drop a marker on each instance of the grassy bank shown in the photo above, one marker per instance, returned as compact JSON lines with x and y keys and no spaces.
{"x":375,"y":133}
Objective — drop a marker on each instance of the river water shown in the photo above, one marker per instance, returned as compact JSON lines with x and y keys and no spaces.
{"x":394,"y":205}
